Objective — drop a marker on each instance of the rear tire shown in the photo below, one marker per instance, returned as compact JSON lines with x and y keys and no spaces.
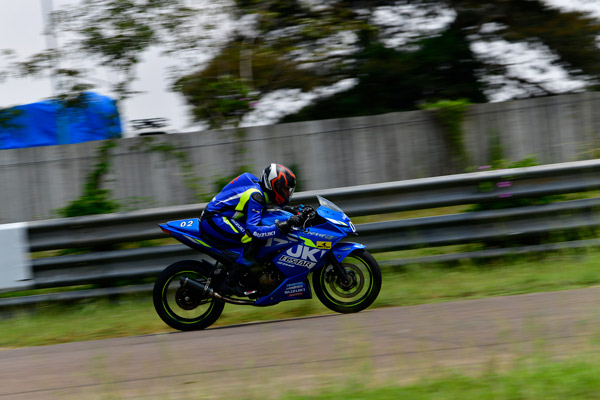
{"x":353,"y":296}
{"x":182,"y":308}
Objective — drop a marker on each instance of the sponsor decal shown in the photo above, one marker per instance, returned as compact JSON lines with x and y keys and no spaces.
{"x":302,"y":256}
{"x":295,"y":289}
{"x":306,"y":253}
{"x":238,"y":226}
{"x":324,"y":245}
{"x":297,"y":261}
{"x":322,"y":235}
{"x":264,"y":234}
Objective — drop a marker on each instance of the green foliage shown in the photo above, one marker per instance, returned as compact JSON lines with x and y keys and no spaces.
{"x":429,"y":66}
{"x":528,"y":161}
{"x":228,"y":87}
{"x":221,"y":101}
{"x":95,"y":199}
{"x":295,"y":44}
{"x":509,"y":201}
{"x":389,"y":80}
{"x":451,"y":115}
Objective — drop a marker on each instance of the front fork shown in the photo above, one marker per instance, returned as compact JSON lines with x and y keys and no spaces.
{"x":339,"y":269}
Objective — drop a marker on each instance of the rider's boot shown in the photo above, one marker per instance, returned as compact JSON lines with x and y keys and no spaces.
{"x":232,"y":284}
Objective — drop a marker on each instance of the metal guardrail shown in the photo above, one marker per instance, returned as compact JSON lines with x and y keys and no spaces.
{"x":498,"y":226}
{"x":501,"y":227}
{"x":478,"y":187}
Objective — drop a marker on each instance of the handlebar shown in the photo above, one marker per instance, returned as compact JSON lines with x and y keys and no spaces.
{"x":307,"y":214}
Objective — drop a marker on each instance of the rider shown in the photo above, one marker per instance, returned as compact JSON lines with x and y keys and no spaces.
{"x":233,"y":217}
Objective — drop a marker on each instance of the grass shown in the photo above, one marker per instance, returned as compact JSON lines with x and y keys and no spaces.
{"x":414,"y":284}
{"x":538,"y":379}
{"x":418,"y":284}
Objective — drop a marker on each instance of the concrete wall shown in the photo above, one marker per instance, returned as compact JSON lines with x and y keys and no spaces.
{"x":331,"y":153}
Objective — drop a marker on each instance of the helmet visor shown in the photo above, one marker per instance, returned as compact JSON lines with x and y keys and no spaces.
{"x":287,"y":192}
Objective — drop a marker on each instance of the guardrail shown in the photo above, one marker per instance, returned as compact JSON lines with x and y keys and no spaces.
{"x":506,"y":225}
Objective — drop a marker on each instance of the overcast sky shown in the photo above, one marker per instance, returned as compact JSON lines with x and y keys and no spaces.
{"x":21,"y":29}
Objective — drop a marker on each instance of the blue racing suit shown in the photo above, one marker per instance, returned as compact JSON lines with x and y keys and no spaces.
{"x":233,"y":217}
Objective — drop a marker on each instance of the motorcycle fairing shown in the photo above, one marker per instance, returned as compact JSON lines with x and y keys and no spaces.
{"x":187,"y":231}
{"x":295,"y":255}
{"x":343,"y":249}
{"x":302,"y":251}
{"x":294,"y":288}
{"x":297,"y":287}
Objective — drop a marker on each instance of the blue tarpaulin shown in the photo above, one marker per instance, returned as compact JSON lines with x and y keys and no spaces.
{"x":48,"y":123}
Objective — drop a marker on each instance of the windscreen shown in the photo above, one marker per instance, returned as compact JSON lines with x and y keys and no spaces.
{"x":326,"y":203}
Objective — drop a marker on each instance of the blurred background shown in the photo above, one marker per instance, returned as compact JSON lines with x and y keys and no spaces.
{"x":348,"y":93}
{"x":177,"y":59}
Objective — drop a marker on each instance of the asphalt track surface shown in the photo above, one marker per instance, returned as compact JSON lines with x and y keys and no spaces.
{"x":266,"y":360}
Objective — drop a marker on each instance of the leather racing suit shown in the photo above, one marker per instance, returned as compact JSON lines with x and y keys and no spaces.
{"x":233,"y":217}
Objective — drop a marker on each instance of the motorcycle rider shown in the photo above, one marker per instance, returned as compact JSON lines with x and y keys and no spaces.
{"x":233,"y":217}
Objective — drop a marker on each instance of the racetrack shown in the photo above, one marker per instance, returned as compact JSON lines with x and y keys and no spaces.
{"x":265,"y":360}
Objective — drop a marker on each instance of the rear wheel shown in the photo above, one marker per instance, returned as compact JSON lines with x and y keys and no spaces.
{"x":180,"y":307}
{"x":355,"y":294}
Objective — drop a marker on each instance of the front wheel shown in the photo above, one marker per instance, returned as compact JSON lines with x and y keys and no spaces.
{"x":358,"y":292}
{"x":178,"y":306}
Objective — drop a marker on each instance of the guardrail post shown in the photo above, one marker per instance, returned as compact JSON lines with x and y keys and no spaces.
{"x":15,"y":265}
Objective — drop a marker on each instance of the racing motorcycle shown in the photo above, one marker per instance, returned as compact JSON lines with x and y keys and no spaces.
{"x":345,"y":277}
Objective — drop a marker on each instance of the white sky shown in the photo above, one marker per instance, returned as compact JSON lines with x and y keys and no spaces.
{"x":21,"y":29}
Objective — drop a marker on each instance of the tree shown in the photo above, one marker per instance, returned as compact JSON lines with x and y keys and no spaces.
{"x":442,"y":67}
{"x":310,"y":44}
{"x":398,"y":53}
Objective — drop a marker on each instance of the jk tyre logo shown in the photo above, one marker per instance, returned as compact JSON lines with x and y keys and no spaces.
{"x":306,"y":253}
{"x":303,"y":256}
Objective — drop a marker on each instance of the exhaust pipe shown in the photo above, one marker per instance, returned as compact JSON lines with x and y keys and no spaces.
{"x":204,"y":291}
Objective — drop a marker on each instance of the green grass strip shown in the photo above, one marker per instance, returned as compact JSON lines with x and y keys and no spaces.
{"x":541,"y":380}
{"x":411,"y":285}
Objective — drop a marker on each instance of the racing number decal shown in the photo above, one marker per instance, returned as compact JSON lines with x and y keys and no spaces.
{"x":186,"y":223}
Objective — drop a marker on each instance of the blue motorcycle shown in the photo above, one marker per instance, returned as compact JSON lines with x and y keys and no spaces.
{"x":345,"y":277}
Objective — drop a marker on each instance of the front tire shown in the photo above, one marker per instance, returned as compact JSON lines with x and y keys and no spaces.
{"x":355,"y":295}
{"x":180,"y":307}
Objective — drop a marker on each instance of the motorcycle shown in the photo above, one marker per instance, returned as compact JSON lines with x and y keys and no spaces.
{"x":345,"y":277}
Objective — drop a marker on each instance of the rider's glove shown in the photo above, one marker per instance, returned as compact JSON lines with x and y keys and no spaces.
{"x":286,"y":226}
{"x":306,"y":210}
{"x":293,"y":210}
